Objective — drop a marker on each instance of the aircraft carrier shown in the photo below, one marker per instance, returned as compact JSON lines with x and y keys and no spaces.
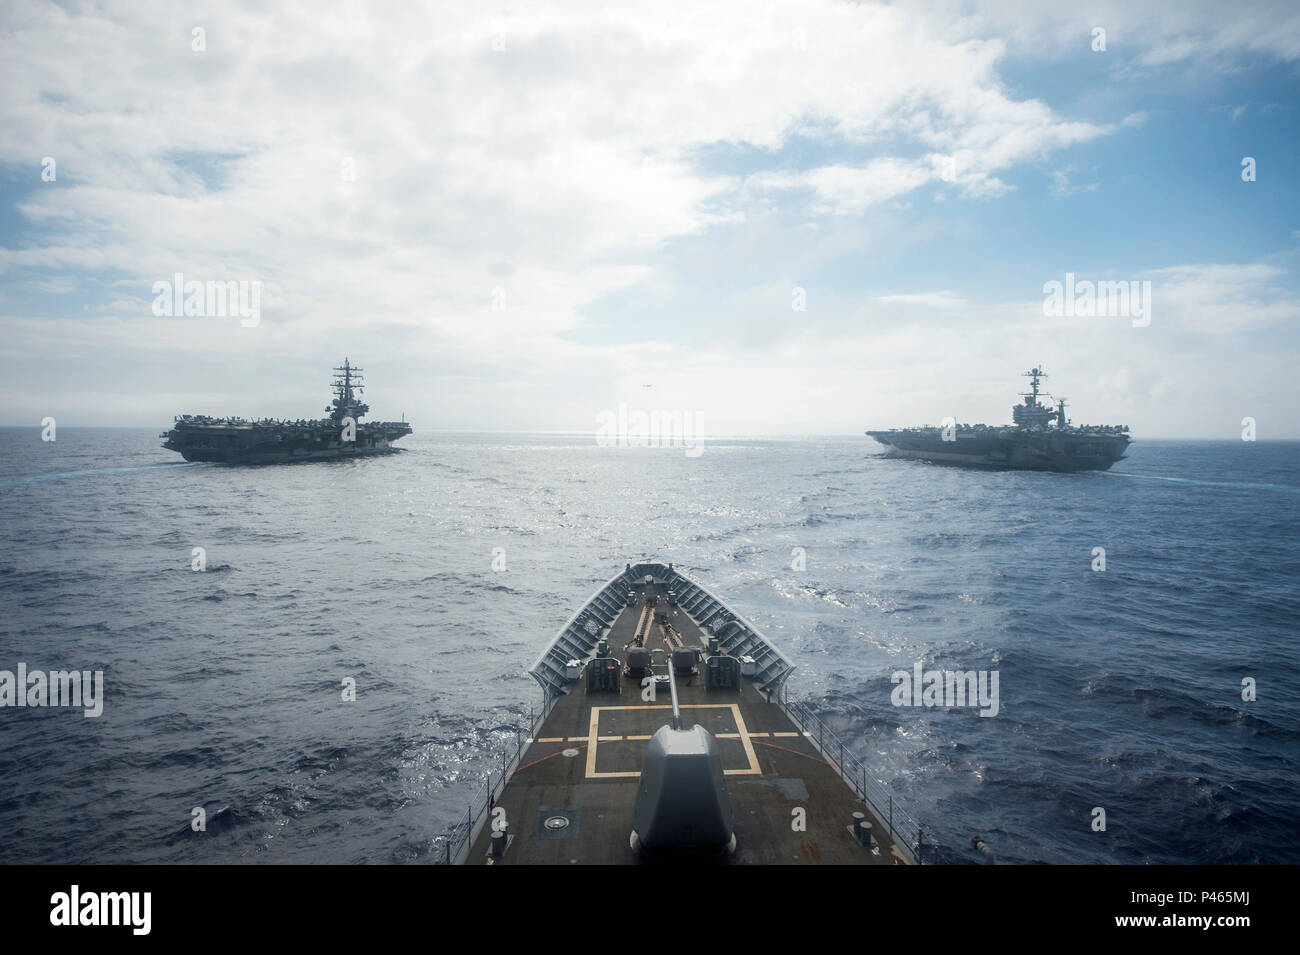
{"x":665,"y":735}
{"x":272,"y":441}
{"x":1040,"y":439}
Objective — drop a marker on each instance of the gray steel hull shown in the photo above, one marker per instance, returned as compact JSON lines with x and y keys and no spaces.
{"x":1037,"y":451}
{"x":282,"y":455}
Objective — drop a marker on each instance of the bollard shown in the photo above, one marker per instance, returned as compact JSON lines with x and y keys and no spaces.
{"x":864,"y":833}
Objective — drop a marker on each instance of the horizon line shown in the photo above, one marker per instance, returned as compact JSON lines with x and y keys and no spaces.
{"x":783,"y":435}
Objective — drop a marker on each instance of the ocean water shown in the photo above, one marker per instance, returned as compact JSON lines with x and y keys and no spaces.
{"x":1119,"y":689}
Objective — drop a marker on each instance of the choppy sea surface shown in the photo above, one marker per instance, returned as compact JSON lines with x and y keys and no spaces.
{"x":1120,"y":689}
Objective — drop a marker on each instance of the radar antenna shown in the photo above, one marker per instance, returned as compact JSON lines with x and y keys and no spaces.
{"x":1034,"y":373}
{"x":348,"y":386}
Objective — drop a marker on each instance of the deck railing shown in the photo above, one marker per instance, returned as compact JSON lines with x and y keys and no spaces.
{"x":452,"y":847}
{"x":904,"y":831}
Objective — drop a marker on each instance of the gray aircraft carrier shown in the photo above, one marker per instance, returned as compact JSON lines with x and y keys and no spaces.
{"x":1039,"y":439}
{"x":275,"y":441}
{"x":665,"y":736}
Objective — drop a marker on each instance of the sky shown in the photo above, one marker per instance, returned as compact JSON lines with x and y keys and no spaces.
{"x":813,"y":217}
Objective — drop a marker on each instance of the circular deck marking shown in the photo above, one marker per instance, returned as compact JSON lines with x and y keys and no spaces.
{"x":555,"y":823}
{"x":570,"y":753}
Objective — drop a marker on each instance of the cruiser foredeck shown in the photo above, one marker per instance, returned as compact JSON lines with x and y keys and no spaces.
{"x":595,"y":760}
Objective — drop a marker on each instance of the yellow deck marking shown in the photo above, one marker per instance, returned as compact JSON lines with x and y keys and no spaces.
{"x":783,"y":734}
{"x":743,"y":735}
{"x":591,"y":740}
{"x":551,"y":739}
{"x":667,"y":706}
{"x":754,"y":769}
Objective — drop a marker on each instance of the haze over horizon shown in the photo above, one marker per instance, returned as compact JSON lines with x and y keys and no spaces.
{"x":800,"y":218}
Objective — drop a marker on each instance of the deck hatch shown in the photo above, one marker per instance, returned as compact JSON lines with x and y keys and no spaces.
{"x":557,"y":822}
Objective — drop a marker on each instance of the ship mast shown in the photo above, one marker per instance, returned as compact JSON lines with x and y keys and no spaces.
{"x":1034,"y":373}
{"x":348,"y":385}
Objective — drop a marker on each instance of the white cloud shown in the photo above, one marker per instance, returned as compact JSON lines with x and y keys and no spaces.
{"x":1224,"y":300}
{"x":557,"y":170}
{"x":1199,"y":34}
{"x":1063,"y":187}
{"x":931,"y":299}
